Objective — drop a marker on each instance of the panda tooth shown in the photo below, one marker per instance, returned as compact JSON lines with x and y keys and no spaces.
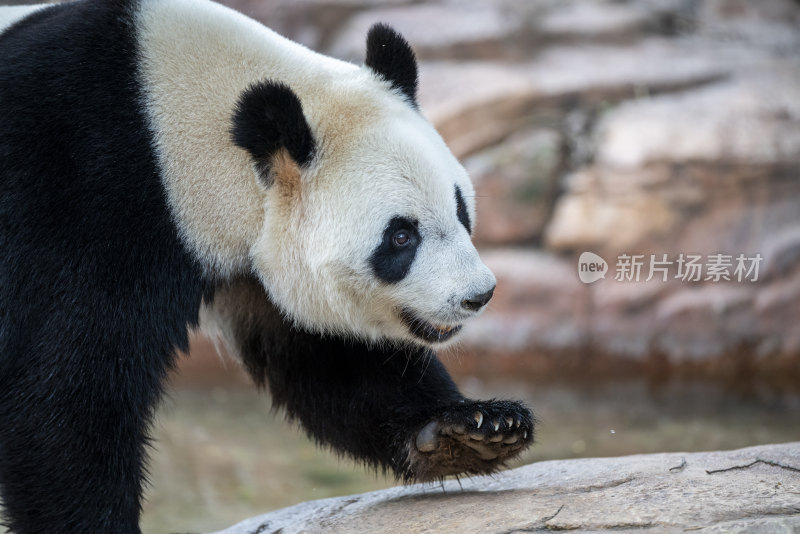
{"x":478,"y":419}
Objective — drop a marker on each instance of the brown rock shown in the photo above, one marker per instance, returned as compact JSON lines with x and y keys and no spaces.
{"x":539,"y":302}
{"x":607,"y":209}
{"x":515,"y":185}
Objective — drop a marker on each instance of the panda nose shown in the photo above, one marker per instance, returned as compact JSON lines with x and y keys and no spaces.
{"x":476,"y":302}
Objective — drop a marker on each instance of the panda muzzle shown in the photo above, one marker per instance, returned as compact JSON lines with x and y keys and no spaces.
{"x":430,"y":332}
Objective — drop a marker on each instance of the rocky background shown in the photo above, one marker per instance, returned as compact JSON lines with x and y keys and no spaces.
{"x":638,"y":127}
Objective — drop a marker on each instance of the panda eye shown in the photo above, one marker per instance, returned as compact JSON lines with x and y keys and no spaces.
{"x":401,"y":238}
{"x":394,"y":254}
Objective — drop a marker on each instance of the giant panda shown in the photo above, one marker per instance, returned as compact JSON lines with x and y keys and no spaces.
{"x":171,"y":165}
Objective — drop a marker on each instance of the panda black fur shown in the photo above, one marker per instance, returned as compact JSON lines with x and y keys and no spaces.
{"x":157,"y":159}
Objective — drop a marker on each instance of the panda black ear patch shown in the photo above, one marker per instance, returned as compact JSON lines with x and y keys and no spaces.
{"x":461,"y":211}
{"x":390,"y":56}
{"x":268,"y":122}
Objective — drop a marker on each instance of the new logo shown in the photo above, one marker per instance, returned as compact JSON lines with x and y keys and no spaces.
{"x":591,"y":267}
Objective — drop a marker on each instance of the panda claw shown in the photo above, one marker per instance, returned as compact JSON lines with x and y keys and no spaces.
{"x":458,"y":442}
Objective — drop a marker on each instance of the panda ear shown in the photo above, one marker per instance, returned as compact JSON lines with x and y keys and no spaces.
{"x":390,"y":56}
{"x":269,"y":123}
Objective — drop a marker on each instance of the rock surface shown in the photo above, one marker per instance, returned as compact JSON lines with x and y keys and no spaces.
{"x":754,"y":490}
{"x":518,"y":177}
{"x":504,"y":97}
{"x":441,"y":31}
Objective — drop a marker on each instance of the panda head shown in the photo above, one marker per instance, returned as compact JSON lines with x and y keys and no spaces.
{"x":368,"y":215}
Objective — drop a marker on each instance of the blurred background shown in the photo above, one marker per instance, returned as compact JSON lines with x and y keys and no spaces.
{"x":653,"y":130}
{"x":639,"y":127}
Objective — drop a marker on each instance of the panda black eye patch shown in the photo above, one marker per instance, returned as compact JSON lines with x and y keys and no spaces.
{"x":461,"y":211}
{"x":392,"y":258}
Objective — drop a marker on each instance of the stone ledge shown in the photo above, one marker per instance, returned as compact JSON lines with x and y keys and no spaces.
{"x":756,"y":489}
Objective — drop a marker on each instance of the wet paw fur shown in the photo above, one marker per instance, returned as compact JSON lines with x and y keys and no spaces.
{"x":470,"y":438}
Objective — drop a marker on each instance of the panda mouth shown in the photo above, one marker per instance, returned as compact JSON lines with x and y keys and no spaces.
{"x":430,"y":332}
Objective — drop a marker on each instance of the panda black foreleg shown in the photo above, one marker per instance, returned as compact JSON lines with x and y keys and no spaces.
{"x":393,"y":408}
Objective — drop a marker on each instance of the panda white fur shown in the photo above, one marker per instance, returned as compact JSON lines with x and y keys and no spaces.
{"x":171,"y":164}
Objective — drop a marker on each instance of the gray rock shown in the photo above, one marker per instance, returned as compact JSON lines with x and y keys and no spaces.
{"x":766,"y":25}
{"x":593,"y":22}
{"x":436,"y":31}
{"x":477,"y":104}
{"x":700,"y":125}
{"x":313,"y":23}
{"x":754,"y":490}
{"x":687,"y":172}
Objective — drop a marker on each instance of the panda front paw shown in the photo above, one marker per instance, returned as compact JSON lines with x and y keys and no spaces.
{"x":471,"y":437}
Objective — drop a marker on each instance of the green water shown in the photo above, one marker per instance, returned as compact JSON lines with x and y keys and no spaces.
{"x":222,"y":457}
